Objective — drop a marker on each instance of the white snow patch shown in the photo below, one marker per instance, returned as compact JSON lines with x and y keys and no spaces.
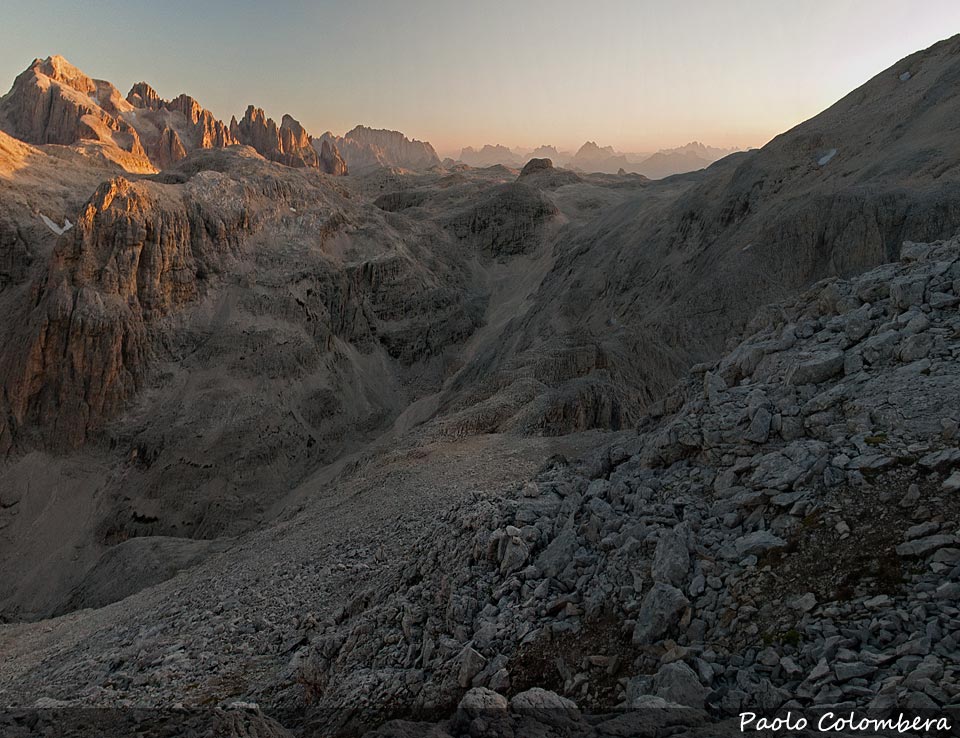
{"x":905,"y":76}
{"x":59,"y":230}
{"x":825,"y":159}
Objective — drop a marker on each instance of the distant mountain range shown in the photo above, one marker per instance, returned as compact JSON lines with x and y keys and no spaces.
{"x":53,"y":102}
{"x":691,"y":157}
{"x":489,"y":155}
{"x":591,"y":157}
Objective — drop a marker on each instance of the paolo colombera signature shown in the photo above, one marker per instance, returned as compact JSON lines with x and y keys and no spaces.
{"x":834,"y":722}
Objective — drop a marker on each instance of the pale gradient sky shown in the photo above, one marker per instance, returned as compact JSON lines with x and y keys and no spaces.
{"x":634,"y":74}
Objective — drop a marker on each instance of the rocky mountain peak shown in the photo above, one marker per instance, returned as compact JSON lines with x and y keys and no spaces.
{"x":490,"y":155}
{"x":591,"y":148}
{"x":293,"y":136}
{"x":536,"y":165}
{"x":53,"y":102}
{"x":254,"y":116}
{"x":60,"y":70}
{"x":287,"y":143}
{"x":171,"y":129}
{"x":365,"y":146}
{"x":142,"y":95}
{"x":330,"y":159}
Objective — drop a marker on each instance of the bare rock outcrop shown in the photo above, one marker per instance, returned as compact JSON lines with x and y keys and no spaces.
{"x":53,"y":102}
{"x":171,"y":129}
{"x":512,"y":220}
{"x":143,"y":96}
{"x":364,"y":147}
{"x":330,"y":160}
{"x":169,"y":149}
{"x":536,"y":165}
{"x":541,"y":173}
{"x":210,"y":132}
{"x":288,"y":143}
{"x":490,"y":155}
{"x":80,"y":349}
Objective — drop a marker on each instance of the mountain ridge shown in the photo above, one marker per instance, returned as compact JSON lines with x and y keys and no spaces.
{"x":364,"y":147}
{"x":54,"y":102}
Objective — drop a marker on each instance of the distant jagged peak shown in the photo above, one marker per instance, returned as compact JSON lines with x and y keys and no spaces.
{"x":54,"y":102}
{"x":493,"y":147}
{"x":57,"y":70}
{"x":293,"y":136}
{"x":60,"y":70}
{"x":361,"y":131}
{"x":545,"y":151}
{"x":198,"y":128}
{"x":255,"y":116}
{"x":292,"y":124}
{"x":700,"y":149}
{"x":142,"y":95}
{"x":288,"y":144}
{"x":191,"y":108}
{"x":330,"y":159}
{"x":364,"y":146}
{"x":591,"y":148}
{"x":490,"y":155}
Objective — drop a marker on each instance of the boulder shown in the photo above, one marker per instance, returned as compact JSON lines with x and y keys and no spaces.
{"x":659,"y":612}
{"x":678,"y":683}
{"x":557,"y":555}
{"x":671,"y":558}
{"x":471,"y":664}
{"x":545,"y":707}
{"x":815,"y":368}
{"x":758,"y":543}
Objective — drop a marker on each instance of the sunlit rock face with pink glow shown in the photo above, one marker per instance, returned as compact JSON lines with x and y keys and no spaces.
{"x":309,"y":433}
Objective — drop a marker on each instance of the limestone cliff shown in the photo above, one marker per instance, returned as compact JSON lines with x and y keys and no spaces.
{"x":330,"y":159}
{"x":287,"y":143}
{"x":171,"y":129}
{"x":53,"y":102}
{"x":364,"y":147}
{"x":80,"y":349}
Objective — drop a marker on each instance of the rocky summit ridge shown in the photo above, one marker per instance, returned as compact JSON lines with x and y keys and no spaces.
{"x":53,"y":102}
{"x":371,"y":147}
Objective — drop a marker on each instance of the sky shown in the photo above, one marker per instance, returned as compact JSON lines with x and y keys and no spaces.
{"x":633,"y":74}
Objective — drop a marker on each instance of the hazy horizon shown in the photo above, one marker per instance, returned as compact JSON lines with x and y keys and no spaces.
{"x":638,"y":76}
